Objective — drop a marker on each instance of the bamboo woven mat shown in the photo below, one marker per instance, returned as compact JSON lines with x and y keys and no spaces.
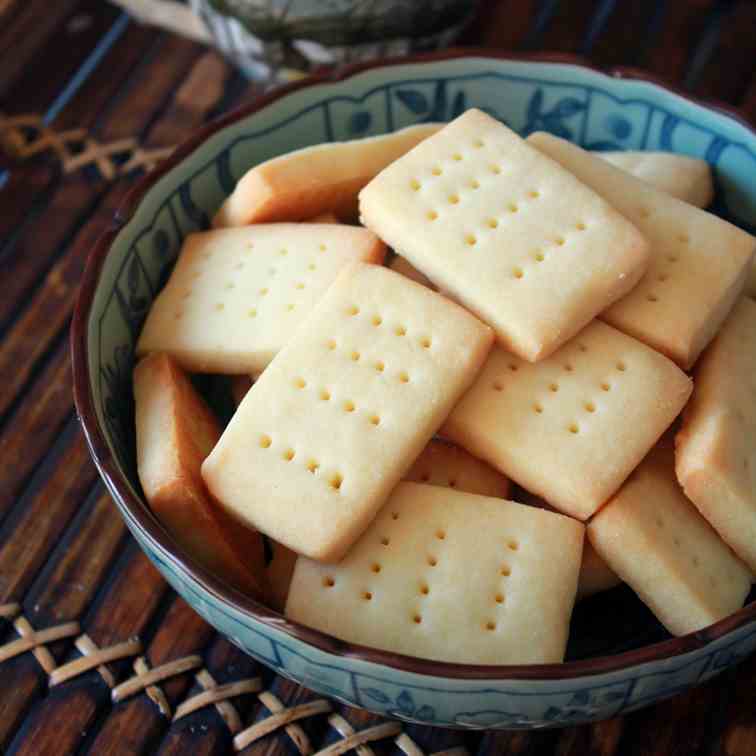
{"x":97,"y":654}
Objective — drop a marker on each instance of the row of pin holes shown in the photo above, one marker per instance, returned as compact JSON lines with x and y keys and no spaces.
{"x":325,"y":395}
{"x":554,"y":388}
{"x":252,"y":312}
{"x":377,"y":321}
{"x":663,"y":277}
{"x":539,"y":256}
{"x":335,"y":481}
{"x":505,"y":571}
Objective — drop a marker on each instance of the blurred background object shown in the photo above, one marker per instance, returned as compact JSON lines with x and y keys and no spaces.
{"x":273,"y":41}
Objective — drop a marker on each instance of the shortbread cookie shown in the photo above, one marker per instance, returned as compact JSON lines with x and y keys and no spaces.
{"x":341,"y":413}
{"x":572,"y":427}
{"x":443,"y":464}
{"x":279,"y":572}
{"x":595,"y":574}
{"x":699,"y":262}
{"x":716,"y":447}
{"x":508,"y":233}
{"x":658,"y":543}
{"x":236,"y":295}
{"x":320,"y":179}
{"x":450,"y":576}
{"x":403,"y":266}
{"x":687,"y":178}
{"x":175,"y":431}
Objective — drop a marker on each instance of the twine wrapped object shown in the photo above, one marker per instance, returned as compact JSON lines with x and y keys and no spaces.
{"x":278,"y":40}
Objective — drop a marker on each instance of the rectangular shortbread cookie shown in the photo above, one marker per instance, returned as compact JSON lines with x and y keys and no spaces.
{"x":175,"y":431}
{"x":451,"y":576}
{"x":659,"y":544}
{"x":340,"y":414}
{"x":595,"y":574}
{"x":716,"y":446}
{"x":236,"y":295}
{"x":687,"y":178}
{"x":443,"y":464}
{"x":507,"y":232}
{"x":572,"y":427}
{"x":319,"y":179}
{"x":699,"y":262}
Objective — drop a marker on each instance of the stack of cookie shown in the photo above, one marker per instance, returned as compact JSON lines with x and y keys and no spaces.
{"x":537,"y":324}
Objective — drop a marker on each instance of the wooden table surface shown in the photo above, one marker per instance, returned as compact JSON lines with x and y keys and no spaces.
{"x":89,"y":99}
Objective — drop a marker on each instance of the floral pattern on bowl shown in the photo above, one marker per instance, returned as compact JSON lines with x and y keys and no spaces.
{"x":570,"y":100}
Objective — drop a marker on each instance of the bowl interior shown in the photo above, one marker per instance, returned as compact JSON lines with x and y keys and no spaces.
{"x":592,"y":109}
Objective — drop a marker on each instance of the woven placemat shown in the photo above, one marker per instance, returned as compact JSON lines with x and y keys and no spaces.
{"x":97,"y":654}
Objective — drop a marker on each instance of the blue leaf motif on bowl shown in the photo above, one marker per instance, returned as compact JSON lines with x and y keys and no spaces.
{"x":360,"y":122}
{"x":404,"y":707}
{"x":552,"y":120}
{"x":619,"y":126}
{"x":582,"y":706}
{"x":415,"y":101}
{"x":161,"y":244}
{"x":117,"y":406}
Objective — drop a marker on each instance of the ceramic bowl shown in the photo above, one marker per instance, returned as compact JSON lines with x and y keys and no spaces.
{"x":619,"y":658}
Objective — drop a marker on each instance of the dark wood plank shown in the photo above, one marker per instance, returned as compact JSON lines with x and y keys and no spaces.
{"x":748,"y":103}
{"x":520,"y":743}
{"x":36,"y":22}
{"x":23,"y":680}
{"x":24,"y":191}
{"x":627,"y":32}
{"x":129,"y":601}
{"x":133,"y":51}
{"x":738,"y":735}
{"x":599,"y":739}
{"x":568,"y":26}
{"x":70,"y":45}
{"x":684,"y":23}
{"x":42,"y":735}
{"x":27,"y":541}
{"x":732,"y":61}
{"x":64,"y":589}
{"x":501,"y":24}
{"x":30,"y":431}
{"x":682,"y":726}
{"x":29,"y":256}
{"x":142,"y":99}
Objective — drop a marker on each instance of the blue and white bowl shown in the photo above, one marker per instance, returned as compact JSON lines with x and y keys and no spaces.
{"x":619,"y":658}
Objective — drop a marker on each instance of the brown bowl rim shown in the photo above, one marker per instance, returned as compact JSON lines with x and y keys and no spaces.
{"x":140,"y":517}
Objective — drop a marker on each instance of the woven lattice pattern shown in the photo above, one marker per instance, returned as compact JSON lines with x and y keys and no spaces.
{"x":146,"y":680}
{"x":25,"y":136}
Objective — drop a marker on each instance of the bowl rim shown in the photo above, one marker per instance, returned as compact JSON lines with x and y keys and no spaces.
{"x":140,"y":517}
